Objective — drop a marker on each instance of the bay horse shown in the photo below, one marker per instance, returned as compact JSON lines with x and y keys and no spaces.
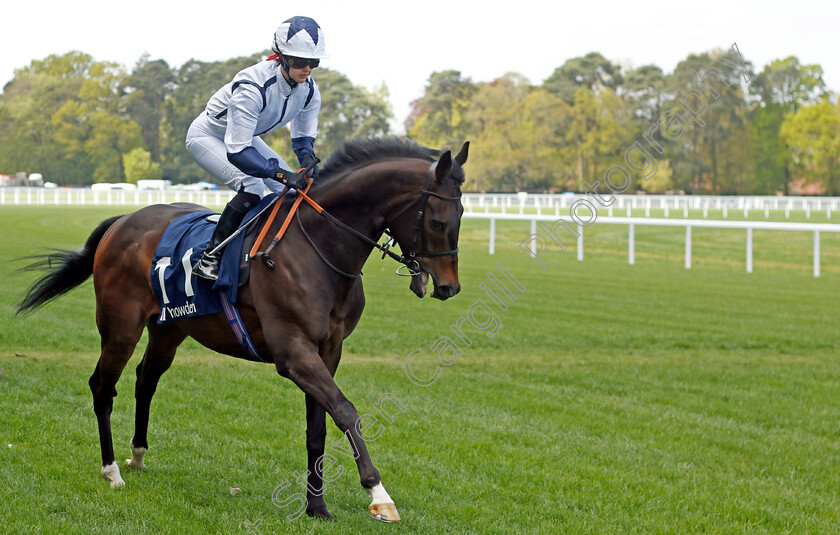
{"x":298,"y":307}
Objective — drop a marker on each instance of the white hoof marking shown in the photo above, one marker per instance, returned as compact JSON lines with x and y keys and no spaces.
{"x":379,"y":495}
{"x":382,"y":507}
{"x":136,"y":460}
{"x":112,"y":474}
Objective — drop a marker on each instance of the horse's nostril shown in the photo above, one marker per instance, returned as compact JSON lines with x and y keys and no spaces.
{"x":446,"y":291}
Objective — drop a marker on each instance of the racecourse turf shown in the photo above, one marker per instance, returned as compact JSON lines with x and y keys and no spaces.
{"x":609,"y":399}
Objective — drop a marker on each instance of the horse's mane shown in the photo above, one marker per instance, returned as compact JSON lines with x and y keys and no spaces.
{"x":354,"y":153}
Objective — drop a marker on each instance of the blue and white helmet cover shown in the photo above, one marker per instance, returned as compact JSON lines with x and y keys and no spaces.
{"x":300,"y":37}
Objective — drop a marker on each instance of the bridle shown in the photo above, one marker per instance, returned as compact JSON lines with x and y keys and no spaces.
{"x":408,"y":262}
{"x":411,"y":262}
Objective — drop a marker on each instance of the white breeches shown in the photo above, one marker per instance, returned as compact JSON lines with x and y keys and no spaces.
{"x":207,"y":145}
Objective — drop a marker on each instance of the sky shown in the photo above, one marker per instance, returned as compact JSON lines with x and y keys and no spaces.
{"x":400,"y":43}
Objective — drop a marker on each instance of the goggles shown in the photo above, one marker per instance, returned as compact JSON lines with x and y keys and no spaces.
{"x":300,"y":63}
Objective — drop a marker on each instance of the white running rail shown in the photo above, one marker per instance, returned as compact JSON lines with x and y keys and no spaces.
{"x":536,"y":241}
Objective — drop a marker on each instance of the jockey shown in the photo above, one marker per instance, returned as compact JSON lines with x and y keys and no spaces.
{"x":225,"y":141}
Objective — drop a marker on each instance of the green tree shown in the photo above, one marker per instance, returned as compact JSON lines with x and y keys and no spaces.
{"x":516,"y":130}
{"x":661,"y":181}
{"x":597,"y":135}
{"x":70,"y":128}
{"x":26,"y":142}
{"x":772,"y":157}
{"x":439,"y":113}
{"x":783,"y":87}
{"x":813,"y":135}
{"x":713,"y":155}
{"x":64,"y":118}
{"x":644,"y":88}
{"x":139,"y":166}
{"x":592,"y":71}
{"x":110,"y":138}
{"x":148,"y":87}
{"x":790,"y":84}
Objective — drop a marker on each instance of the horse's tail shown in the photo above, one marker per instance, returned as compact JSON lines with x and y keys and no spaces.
{"x":65,"y":270}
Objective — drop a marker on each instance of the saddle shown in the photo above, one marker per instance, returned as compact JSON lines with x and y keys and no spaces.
{"x":182,"y":295}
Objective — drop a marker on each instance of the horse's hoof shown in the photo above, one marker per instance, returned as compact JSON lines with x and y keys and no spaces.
{"x":131,"y":463}
{"x":321,"y":514}
{"x":112,"y":474}
{"x":137,"y":455}
{"x":384,"y":512}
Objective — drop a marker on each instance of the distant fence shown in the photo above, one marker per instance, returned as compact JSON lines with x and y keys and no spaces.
{"x":489,"y":203}
{"x":89,"y":197}
{"x":636,"y":205}
{"x":536,"y":244}
{"x":517,"y":207}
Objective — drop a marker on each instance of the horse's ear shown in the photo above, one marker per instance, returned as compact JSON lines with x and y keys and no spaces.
{"x":461,"y":158}
{"x":444,"y":166}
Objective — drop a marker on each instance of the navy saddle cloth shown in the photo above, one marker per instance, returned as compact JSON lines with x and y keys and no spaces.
{"x":181,"y":294}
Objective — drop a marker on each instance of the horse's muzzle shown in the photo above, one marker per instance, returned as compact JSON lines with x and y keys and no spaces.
{"x":446,"y":291}
{"x":442,"y":291}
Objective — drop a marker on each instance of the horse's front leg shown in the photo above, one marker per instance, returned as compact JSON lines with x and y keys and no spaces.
{"x":306,"y":369}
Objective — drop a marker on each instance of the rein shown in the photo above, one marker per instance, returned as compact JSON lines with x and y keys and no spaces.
{"x":410,"y":262}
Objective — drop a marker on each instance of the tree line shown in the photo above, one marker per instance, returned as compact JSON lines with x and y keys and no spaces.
{"x":78,"y":121}
{"x":740,"y":131}
{"x":592,"y":122}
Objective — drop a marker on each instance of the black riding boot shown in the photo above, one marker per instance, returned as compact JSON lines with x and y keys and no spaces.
{"x":208,"y":266}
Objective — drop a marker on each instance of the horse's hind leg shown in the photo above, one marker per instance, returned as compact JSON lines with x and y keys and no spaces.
{"x":316,"y":434}
{"x":120,"y":333}
{"x":160,"y":352}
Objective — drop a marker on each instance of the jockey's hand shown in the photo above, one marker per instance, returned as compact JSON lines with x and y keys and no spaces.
{"x":292,"y":180}
{"x":310,"y":163}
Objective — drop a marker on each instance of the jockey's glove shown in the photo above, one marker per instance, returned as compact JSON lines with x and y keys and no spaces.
{"x":290,"y":179}
{"x":309,"y":159}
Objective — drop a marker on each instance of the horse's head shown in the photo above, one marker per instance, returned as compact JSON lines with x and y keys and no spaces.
{"x":429,"y":233}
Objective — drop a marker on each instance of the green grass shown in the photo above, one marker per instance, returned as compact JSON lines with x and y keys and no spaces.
{"x":613,"y":399}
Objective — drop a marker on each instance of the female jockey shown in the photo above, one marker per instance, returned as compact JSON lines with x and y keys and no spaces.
{"x":225,"y":141}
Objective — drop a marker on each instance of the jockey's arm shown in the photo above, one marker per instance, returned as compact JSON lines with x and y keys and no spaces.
{"x":243,"y":112}
{"x":304,"y":129}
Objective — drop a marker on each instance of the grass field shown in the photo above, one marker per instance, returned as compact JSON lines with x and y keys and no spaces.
{"x":612,"y":399}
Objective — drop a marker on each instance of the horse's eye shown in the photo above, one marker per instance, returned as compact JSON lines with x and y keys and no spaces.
{"x":438,"y":226}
